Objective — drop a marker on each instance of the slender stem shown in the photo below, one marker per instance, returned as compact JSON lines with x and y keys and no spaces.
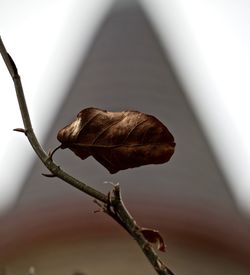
{"x":131,"y":226}
{"x":45,"y":158}
{"x":114,"y":206}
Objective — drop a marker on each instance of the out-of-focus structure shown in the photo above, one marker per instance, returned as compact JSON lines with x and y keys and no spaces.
{"x":53,"y":227}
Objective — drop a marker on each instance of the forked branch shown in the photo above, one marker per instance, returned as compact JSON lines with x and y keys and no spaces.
{"x":112,"y":204}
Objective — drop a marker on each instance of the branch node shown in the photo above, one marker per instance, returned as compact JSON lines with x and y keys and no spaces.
{"x":109,"y":204}
{"x":51,"y":153}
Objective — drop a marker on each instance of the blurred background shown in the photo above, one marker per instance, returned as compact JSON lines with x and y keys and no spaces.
{"x":185,"y":62}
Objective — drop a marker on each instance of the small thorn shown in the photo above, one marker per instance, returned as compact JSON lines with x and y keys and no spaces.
{"x":49,"y":175}
{"x":21,"y":130}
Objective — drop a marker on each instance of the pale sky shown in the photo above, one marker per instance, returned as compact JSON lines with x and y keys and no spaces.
{"x":209,"y":42}
{"x":34,"y":37}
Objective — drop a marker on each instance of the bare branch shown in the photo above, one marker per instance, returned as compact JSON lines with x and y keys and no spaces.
{"x":45,"y":158}
{"x":112,"y":203}
{"x":128,"y":222}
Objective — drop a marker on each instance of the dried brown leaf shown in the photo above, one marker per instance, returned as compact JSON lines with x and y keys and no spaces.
{"x":118,"y":140}
{"x":153,"y":236}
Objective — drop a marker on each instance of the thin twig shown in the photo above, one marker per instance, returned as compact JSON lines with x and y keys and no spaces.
{"x":131,"y":226}
{"x":28,"y":130}
{"x":113,"y":205}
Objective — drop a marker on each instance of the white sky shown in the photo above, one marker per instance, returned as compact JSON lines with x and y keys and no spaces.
{"x":209,"y":42}
{"x":41,"y":44}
